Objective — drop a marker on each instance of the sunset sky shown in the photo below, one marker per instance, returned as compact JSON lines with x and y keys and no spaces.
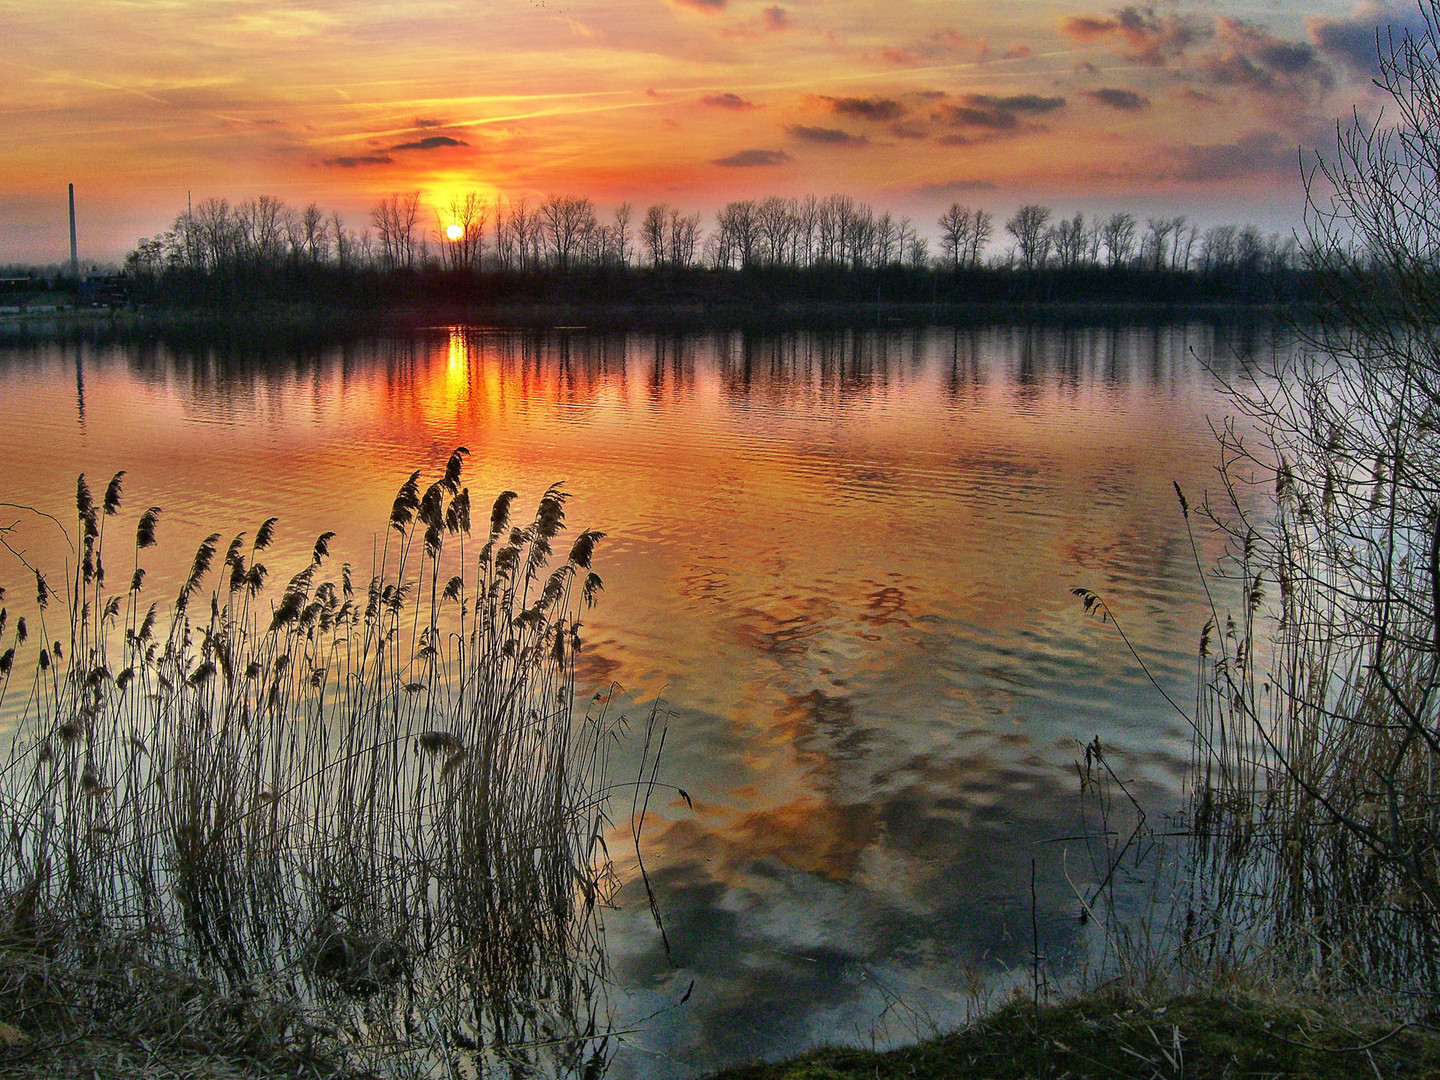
{"x":1196,"y":108}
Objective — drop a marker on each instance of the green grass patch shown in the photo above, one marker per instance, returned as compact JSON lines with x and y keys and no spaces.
{"x":1111,"y":1035}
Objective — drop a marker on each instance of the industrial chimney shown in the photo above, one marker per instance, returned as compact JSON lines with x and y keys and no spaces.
{"x":74,"y":251}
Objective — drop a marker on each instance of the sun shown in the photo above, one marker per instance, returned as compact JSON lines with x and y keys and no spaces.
{"x":454,"y":232}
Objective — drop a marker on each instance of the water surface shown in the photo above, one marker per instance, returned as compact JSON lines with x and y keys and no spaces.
{"x":842,"y":562}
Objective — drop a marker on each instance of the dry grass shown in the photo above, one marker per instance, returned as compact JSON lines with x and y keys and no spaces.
{"x":362,"y":821}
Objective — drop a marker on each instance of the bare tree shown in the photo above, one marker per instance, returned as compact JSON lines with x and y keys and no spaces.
{"x":739,"y":223}
{"x":1032,"y":238}
{"x":620,"y":231}
{"x":775,"y":220}
{"x":1068,"y":241}
{"x":955,"y":235}
{"x":460,"y":231}
{"x":1119,"y":236}
{"x":684,"y":240}
{"x":567,"y":220}
{"x":394,"y":218}
{"x":653,"y":234}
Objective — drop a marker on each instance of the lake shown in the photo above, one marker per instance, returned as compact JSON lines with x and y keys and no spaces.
{"x":840,"y":562}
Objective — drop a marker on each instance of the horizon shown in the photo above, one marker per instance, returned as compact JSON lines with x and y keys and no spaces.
{"x":1201,"y":110}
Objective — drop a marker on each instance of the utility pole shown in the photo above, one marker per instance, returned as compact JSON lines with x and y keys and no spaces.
{"x":74,"y":251}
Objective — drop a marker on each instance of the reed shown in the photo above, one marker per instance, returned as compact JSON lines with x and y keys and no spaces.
{"x":1307,"y":853}
{"x":1315,"y":804}
{"x":373,"y":805}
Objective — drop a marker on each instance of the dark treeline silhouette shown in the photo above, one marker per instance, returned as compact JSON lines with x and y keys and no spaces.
{"x":831,"y":250}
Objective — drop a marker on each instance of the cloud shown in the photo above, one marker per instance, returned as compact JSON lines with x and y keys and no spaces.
{"x":1352,"y":40}
{"x":995,"y":113}
{"x":947,"y":45}
{"x":709,"y":7}
{"x":1251,"y":57}
{"x":1255,"y":154}
{"x":871,"y":108}
{"x":430,"y":142}
{"x":1136,"y":33}
{"x":909,"y":130}
{"x":423,"y":122}
{"x":728,"y":101}
{"x":1196,"y":97}
{"x":355,"y":162}
{"x":1115,"y":98}
{"x":831,"y":136}
{"x":749,"y":158}
{"x":775,"y":17}
{"x":955,"y":187}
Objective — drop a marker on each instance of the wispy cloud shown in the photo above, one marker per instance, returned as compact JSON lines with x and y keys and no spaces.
{"x":728,"y":101}
{"x":775,"y":17}
{"x":1252,"y":155}
{"x":1136,"y":33}
{"x":356,"y":161}
{"x":828,"y":136}
{"x":753,"y":158}
{"x":955,"y":187}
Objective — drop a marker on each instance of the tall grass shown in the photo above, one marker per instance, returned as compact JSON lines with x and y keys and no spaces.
{"x":375,"y":802}
{"x":1308,"y":849}
{"x":1315,"y":810}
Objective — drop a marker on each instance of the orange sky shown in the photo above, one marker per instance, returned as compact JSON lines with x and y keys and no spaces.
{"x":1195,"y":108}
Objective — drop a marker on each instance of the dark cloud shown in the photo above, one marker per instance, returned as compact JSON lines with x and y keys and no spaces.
{"x":1115,"y":98}
{"x":1135,"y":32}
{"x":909,"y":130}
{"x":1353,"y":40}
{"x":708,"y":6}
{"x":749,"y":158}
{"x":424,"y":122}
{"x":831,"y":136}
{"x":775,"y":17}
{"x":728,"y":101}
{"x":871,"y":108}
{"x":1028,"y":103}
{"x":355,"y":162}
{"x":1256,"y":154}
{"x":430,"y":142}
{"x":1252,"y":58}
{"x":995,"y":113}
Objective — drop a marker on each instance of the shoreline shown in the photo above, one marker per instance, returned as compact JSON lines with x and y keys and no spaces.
{"x":290,"y":321}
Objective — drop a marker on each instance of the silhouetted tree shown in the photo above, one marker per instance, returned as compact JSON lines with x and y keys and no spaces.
{"x":1032,"y":238}
{"x":1119,"y":237}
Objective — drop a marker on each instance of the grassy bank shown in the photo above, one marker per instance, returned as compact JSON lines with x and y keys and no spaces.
{"x":1207,"y":1037}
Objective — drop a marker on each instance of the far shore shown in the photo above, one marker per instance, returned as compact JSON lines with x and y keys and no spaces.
{"x":320,"y":321}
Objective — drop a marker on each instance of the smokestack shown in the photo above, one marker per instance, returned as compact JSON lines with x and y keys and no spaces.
{"x":74,"y":252}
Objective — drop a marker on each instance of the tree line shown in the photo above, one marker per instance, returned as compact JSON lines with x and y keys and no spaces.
{"x":564,"y":233}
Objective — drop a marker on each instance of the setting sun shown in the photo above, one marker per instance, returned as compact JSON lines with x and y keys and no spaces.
{"x":454,"y":232}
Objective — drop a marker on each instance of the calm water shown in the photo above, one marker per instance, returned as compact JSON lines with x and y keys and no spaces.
{"x":842,"y":561}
